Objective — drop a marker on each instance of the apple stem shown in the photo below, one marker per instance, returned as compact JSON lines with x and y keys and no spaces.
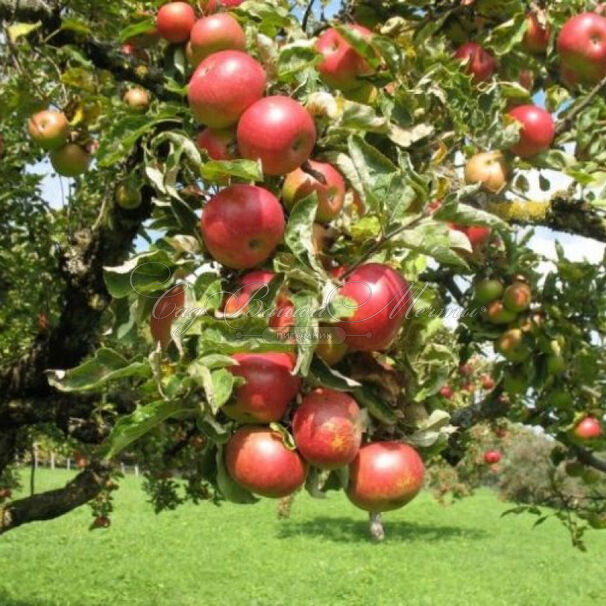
{"x":376,"y":526}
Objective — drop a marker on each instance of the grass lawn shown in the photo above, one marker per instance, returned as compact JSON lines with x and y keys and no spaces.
{"x":241,"y":555}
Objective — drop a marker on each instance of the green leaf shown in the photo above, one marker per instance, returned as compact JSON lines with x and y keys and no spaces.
{"x":105,"y":366}
{"x":75,"y":25}
{"x":286,"y":436}
{"x":17,"y":30}
{"x":145,"y":273}
{"x":375,"y":405}
{"x":464,"y":214}
{"x":216,"y":171}
{"x":135,"y":425}
{"x":217,"y":384}
{"x":229,"y":489}
{"x":329,"y":377}
{"x":136,"y":29}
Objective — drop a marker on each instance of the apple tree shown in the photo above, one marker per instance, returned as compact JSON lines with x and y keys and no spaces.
{"x":288,"y":249}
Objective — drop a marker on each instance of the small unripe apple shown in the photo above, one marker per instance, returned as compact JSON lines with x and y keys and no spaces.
{"x":49,"y":128}
{"x":128,"y":195}
{"x":479,"y":62}
{"x":517,"y":297}
{"x":555,"y":364}
{"x":70,"y":160}
{"x":331,"y":194}
{"x":137,"y":99}
{"x":488,"y":168}
{"x":536,"y":38}
{"x":497,"y":313}
{"x":175,"y":21}
{"x":487,"y":291}
{"x":512,"y":346}
{"x":331,"y":349}
{"x":588,"y":429}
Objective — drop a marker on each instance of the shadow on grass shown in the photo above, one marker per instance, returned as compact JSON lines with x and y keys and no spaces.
{"x":7,"y":600}
{"x":347,"y":530}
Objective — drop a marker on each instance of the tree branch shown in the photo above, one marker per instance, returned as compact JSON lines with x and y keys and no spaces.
{"x":55,"y":503}
{"x":567,"y":120}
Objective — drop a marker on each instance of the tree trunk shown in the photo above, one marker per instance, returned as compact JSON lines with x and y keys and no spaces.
{"x":376,"y":527}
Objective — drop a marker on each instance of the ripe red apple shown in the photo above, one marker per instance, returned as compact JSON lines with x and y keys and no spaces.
{"x":327,"y":428}
{"x":242,"y":225}
{"x":269,"y":387}
{"x":49,"y":128}
{"x":237,"y":302}
{"x":487,"y":382}
{"x":382,"y":298}
{"x":491,"y":457}
{"x":128,"y":196}
{"x":479,"y":62}
{"x":70,"y":160}
{"x":582,"y":47}
{"x":166,"y":309}
{"x":536,"y":38}
{"x":589,"y":428}
{"x":257,"y":459}
{"x":487,"y":291}
{"x":341,"y":65}
{"x":223,"y":86}
{"x":212,"y":6}
{"x":517,"y":297}
{"x":175,"y":21}
{"x":537,"y":130}
{"x":279,"y":131}
{"x":137,"y":99}
{"x":526,"y":79}
{"x":220,"y":144}
{"x":478,"y":234}
{"x":488,"y":168}
{"x":447,"y":392}
{"x":213,"y":34}
{"x":385,"y":476}
{"x":299,"y":184}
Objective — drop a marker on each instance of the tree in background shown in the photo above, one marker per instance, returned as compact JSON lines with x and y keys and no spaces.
{"x":267,"y":220}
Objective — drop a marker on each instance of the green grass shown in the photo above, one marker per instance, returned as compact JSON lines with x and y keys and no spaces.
{"x":241,"y":555}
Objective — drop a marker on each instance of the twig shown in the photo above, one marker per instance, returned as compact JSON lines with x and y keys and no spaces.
{"x":565,"y":122}
{"x":307,"y":14}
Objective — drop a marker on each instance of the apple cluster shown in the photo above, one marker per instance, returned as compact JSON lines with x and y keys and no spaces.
{"x":242,"y":225}
{"x":51,"y":130}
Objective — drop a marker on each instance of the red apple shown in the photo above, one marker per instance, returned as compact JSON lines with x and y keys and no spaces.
{"x":137,"y":99}
{"x":299,"y":184}
{"x":487,"y":382}
{"x":213,"y":34}
{"x":537,"y":130}
{"x":212,"y":6}
{"x":447,"y":392}
{"x":220,"y":144}
{"x":476,"y":234}
{"x":279,"y":131}
{"x":582,"y":47}
{"x":269,"y":387}
{"x":237,"y":302}
{"x":175,"y":21}
{"x":341,"y":65}
{"x":491,"y":457}
{"x":49,"y":128}
{"x":327,"y":428}
{"x":488,"y":168}
{"x":479,"y":62}
{"x":70,"y":160}
{"x":257,"y":459}
{"x":385,"y":476}
{"x":382,"y":297}
{"x":497,"y":313}
{"x":536,"y":38}
{"x":526,"y":79}
{"x":223,"y":86}
{"x":166,"y":309}
{"x":242,"y":225}
{"x":589,"y":428}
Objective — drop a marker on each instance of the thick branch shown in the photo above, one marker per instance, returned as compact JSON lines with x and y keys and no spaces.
{"x":562,"y":214}
{"x":55,"y":503}
{"x":588,"y":458}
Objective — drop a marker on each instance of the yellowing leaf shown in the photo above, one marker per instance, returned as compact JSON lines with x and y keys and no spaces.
{"x":18,"y":30}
